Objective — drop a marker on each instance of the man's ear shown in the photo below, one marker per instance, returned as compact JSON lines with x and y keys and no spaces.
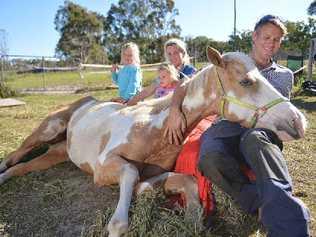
{"x":214,"y":57}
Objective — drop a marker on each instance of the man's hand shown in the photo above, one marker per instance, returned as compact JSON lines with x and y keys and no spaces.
{"x":176,"y":126}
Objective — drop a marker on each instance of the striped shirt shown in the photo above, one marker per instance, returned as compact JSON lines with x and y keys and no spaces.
{"x":281,"y":78}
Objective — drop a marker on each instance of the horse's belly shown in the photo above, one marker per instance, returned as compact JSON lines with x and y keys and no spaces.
{"x":93,"y":133}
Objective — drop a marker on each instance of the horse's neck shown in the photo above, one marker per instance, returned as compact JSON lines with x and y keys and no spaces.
{"x":202,"y":98}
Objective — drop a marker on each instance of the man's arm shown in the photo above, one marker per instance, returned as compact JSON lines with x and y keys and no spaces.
{"x":176,"y":122}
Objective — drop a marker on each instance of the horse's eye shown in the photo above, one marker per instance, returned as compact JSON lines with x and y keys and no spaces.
{"x":246,"y":83}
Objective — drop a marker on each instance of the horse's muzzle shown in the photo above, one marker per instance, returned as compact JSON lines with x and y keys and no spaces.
{"x":293,"y":128}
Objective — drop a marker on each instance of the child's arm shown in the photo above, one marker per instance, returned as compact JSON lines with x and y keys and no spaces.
{"x":114,"y":70}
{"x":146,"y":92}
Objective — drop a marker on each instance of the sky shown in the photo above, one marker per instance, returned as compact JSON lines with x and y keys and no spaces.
{"x":30,"y":30}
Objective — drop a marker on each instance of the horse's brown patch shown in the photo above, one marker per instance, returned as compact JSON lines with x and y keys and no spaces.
{"x":86,"y":168}
{"x":69,"y":137}
{"x":109,"y":172}
{"x":235,"y":72}
{"x":104,"y":140}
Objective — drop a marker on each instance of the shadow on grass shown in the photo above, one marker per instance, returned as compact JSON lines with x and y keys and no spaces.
{"x":303,"y":104}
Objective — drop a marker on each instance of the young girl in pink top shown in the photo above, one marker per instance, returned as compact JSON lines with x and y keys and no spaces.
{"x":166,"y":83}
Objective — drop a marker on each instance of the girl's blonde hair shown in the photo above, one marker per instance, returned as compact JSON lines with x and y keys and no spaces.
{"x":174,"y":74}
{"x":135,"y":51}
{"x":181,"y":46}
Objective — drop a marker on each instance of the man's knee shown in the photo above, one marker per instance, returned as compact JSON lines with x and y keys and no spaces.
{"x":255,"y":139}
{"x":210,"y":162}
{"x":251,"y":138}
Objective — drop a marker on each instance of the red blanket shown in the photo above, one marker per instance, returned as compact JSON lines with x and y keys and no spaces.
{"x":187,"y":163}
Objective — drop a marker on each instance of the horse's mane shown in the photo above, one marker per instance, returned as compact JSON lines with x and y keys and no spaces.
{"x":199,"y":80}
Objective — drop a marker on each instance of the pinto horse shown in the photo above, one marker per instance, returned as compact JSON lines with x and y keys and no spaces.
{"x":124,"y":145}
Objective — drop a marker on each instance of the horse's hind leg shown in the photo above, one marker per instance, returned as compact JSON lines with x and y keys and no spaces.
{"x":51,"y":130}
{"x":56,"y":154}
{"x":175,"y":183}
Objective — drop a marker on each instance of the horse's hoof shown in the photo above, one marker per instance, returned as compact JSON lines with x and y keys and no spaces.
{"x":143,"y":186}
{"x":117,"y":228}
{"x":3,"y":178}
{"x":3,"y":167}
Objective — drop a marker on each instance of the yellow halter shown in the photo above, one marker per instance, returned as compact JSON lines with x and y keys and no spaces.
{"x":258,"y":111}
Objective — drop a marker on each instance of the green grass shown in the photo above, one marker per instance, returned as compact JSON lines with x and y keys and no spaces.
{"x":60,"y":79}
{"x":63,"y":200}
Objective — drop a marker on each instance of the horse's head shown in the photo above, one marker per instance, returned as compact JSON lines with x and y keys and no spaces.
{"x":248,"y":98}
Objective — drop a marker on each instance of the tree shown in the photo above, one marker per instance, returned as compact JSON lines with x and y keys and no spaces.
{"x":299,"y":36}
{"x":197,"y":47}
{"x":311,"y":10}
{"x":80,"y":33}
{"x":241,"y":42}
{"x":146,"y":22}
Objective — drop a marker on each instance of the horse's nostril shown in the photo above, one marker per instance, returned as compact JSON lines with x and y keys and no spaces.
{"x":290,"y":128}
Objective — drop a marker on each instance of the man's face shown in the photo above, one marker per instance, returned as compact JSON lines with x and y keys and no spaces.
{"x":175,"y":56}
{"x":267,"y":40}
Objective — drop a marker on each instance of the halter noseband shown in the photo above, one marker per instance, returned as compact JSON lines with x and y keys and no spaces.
{"x":258,"y":111}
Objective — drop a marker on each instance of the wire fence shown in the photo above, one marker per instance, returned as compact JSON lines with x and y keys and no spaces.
{"x":29,"y":73}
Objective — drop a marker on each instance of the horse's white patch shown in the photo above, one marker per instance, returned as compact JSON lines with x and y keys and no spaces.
{"x":241,"y":57}
{"x":158,"y":119}
{"x":54,"y":127}
{"x":119,"y":221}
{"x":79,"y":111}
{"x":191,"y":102}
{"x":121,"y":126}
{"x":88,"y":131}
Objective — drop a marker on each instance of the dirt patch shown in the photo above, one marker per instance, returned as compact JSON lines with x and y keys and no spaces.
{"x":62,"y":201}
{"x":65,"y":89}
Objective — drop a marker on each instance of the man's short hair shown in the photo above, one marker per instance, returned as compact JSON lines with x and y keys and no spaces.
{"x":273,"y":20}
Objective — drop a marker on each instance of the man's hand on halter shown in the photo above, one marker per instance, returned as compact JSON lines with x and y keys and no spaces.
{"x":176,"y":126}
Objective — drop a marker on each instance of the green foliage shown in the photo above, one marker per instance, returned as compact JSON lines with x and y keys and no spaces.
{"x":299,"y":36}
{"x":81,"y":33}
{"x":146,"y":22}
{"x":6,"y":91}
{"x":197,"y":47}
{"x":241,"y":42}
{"x":311,"y":10}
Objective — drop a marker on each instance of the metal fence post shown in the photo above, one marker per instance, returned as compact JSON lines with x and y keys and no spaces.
{"x":312,"y":51}
{"x":2,"y":69}
{"x":43,"y":73}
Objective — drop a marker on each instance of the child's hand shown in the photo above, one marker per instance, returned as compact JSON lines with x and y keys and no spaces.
{"x":118,"y":100}
{"x":114,"y":68}
{"x":130,"y":102}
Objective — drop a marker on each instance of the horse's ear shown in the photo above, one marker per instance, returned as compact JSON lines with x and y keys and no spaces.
{"x":214,"y":57}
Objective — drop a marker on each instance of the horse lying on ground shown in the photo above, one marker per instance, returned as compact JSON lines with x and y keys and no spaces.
{"x":123,"y":145}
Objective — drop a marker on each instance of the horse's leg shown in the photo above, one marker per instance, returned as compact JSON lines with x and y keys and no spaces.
{"x":55,"y":155}
{"x":117,"y":170}
{"x":175,"y":183}
{"x":49,"y":130}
